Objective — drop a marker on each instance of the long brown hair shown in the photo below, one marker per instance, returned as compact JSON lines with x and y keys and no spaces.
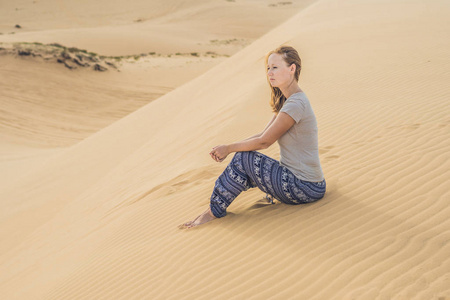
{"x":290,"y":56}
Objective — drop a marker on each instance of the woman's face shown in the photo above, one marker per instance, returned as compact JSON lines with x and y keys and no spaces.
{"x":279,"y":73}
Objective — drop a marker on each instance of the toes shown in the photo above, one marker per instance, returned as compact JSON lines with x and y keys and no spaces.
{"x":197,"y":221}
{"x":184,"y":225}
{"x":191,"y":226}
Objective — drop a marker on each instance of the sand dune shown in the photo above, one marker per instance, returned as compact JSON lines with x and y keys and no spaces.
{"x":133,"y":27}
{"x":44,"y":106}
{"x":98,"y":221}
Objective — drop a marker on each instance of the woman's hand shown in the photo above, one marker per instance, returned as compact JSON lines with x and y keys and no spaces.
{"x":219,"y":153}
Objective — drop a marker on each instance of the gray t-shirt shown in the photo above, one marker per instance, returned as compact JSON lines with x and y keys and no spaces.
{"x":299,"y":146}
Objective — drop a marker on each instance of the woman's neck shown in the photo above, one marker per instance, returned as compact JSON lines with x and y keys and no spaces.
{"x":291,"y":89}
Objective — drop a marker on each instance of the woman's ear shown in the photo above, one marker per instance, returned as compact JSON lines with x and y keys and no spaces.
{"x":293,"y":67}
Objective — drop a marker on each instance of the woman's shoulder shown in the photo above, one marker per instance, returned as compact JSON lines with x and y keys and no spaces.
{"x":301,"y":96}
{"x":297,"y":99}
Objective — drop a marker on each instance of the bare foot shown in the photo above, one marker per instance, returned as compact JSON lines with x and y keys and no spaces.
{"x":206,"y":216}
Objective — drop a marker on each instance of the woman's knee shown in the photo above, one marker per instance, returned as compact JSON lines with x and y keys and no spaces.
{"x":242,"y":158}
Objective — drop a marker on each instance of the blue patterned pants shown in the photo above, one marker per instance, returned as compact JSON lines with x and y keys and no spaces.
{"x":251,"y":169}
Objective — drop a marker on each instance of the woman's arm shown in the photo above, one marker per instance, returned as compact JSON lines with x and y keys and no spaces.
{"x":281,"y":123}
{"x":249,"y":138}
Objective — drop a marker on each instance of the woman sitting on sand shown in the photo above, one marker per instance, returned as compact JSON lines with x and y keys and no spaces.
{"x":297,"y":178}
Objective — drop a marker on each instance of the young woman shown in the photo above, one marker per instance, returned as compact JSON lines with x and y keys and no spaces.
{"x":297,"y":178}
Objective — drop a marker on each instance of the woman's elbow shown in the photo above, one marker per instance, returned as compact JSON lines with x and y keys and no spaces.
{"x":264,"y":144}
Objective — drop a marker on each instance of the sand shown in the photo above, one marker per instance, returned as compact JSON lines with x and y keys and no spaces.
{"x":91,"y":211}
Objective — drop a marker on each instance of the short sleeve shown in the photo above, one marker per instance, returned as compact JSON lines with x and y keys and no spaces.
{"x":295,"y":109}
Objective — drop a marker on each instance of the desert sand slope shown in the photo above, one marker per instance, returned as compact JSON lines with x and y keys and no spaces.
{"x":99,"y":220}
{"x":45,"y":107}
{"x":140,"y":26}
